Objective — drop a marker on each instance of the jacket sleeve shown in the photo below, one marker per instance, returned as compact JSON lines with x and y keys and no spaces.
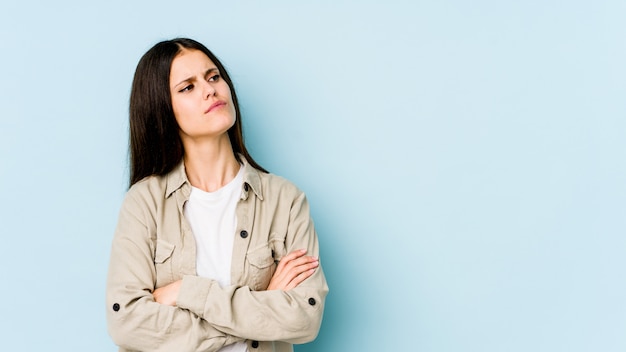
{"x":292,"y":316}
{"x":135,"y":321}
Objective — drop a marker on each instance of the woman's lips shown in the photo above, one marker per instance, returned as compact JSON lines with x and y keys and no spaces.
{"x":214,"y":106}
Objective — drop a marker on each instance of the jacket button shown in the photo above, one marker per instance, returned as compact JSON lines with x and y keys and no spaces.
{"x":245,"y":187}
{"x":116,"y":307}
{"x":243,"y":234}
{"x":312,"y":301}
{"x":254,"y":344}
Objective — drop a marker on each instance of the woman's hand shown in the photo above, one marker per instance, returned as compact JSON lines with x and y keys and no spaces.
{"x":167,"y":294}
{"x":294,"y":268}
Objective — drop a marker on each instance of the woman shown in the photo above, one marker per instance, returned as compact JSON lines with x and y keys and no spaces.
{"x":194,"y":257}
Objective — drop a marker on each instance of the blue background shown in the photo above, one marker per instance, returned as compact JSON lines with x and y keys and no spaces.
{"x":465,"y":162}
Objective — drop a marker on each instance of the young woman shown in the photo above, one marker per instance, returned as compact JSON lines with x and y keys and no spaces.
{"x":211,"y":252}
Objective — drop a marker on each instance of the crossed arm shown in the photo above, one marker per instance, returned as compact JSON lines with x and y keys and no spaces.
{"x":290,"y":272}
{"x":195,"y":313}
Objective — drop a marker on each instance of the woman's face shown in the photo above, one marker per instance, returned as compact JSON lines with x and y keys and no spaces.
{"x":201,"y":99}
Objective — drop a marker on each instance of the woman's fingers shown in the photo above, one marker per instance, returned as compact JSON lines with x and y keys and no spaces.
{"x":299,"y":278}
{"x":293,"y":268}
{"x":296,"y":263}
{"x":290,"y":257}
{"x":167,"y":294}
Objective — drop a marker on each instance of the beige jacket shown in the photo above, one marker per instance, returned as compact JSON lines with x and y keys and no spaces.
{"x":154,"y":246}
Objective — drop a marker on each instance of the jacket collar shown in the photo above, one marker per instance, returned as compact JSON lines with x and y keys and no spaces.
{"x":177,"y":178}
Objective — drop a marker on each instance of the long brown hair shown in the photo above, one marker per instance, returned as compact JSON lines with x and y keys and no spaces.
{"x":155,"y":144}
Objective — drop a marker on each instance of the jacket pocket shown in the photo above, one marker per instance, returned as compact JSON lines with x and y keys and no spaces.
{"x":163,"y":262}
{"x":261,"y":267}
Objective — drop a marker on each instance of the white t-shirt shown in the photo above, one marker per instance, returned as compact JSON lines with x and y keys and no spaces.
{"x":213,"y":222}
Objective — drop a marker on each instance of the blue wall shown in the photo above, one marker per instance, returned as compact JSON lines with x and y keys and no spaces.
{"x":465,"y":162}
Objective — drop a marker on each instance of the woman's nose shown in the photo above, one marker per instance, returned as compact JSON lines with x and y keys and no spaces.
{"x":208,"y":90}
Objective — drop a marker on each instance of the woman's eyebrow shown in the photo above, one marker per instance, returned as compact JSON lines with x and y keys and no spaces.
{"x":209,"y":71}
{"x":190,"y":79}
{"x":193,"y":78}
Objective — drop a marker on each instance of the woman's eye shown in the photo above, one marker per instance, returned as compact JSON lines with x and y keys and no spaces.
{"x":186,"y":89}
{"x":214,"y":78}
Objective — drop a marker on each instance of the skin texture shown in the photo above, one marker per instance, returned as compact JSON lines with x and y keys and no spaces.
{"x":201,"y":99}
{"x":204,"y":110}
